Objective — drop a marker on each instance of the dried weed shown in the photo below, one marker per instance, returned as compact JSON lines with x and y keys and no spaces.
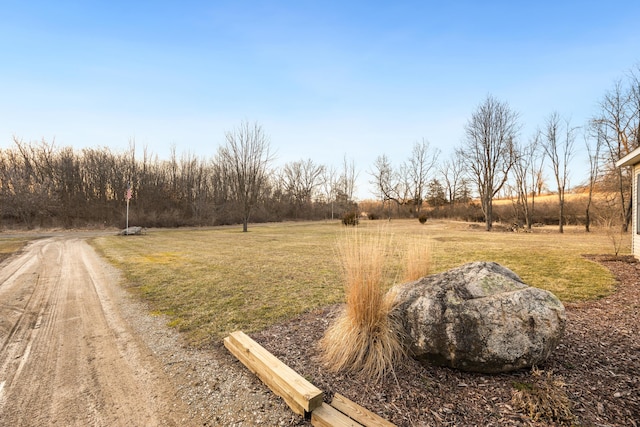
{"x":543,"y":399}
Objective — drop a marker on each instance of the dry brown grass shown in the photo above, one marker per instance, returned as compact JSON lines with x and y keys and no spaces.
{"x":363,"y":339}
{"x":543,"y":399}
{"x":210,"y":282}
{"x":418,"y":258}
{"x":578,"y":196}
{"x":10,"y":246}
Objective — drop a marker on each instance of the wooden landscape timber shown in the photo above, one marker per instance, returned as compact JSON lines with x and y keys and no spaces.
{"x":328,"y":416}
{"x":358,"y":413}
{"x":299,"y":394}
{"x":344,"y":413}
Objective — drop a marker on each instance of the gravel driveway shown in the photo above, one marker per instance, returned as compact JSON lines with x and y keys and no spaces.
{"x":77,"y":350}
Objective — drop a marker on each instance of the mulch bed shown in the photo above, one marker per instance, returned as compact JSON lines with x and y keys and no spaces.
{"x":598,"y":360}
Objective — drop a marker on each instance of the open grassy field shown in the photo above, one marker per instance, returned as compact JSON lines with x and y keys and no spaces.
{"x":213,"y":281}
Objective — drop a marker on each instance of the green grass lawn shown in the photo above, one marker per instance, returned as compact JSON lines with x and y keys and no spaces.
{"x":213,"y":281}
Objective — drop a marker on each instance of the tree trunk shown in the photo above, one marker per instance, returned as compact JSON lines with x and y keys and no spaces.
{"x":527,"y":213}
{"x":587,"y":217}
{"x":587,"y":220}
{"x":561,"y":227}
{"x":532,"y":210}
{"x":627,"y":215}
{"x":488,"y":215}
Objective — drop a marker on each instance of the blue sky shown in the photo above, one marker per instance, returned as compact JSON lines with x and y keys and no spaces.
{"x":324,"y":78}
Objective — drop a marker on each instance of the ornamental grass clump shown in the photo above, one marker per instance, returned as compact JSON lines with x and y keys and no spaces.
{"x":364,"y":340}
{"x":417,"y":259}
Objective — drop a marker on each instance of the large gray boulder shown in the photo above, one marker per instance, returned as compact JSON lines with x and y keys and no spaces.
{"x":132,"y":231}
{"x":479,"y":317}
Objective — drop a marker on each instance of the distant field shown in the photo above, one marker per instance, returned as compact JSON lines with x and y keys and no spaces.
{"x":212,"y":281}
{"x":568,"y":197}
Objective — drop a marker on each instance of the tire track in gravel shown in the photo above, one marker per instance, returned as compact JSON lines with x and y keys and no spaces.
{"x":66,"y":355}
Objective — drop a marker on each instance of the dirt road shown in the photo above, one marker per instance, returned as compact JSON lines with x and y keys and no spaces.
{"x":67,"y":357}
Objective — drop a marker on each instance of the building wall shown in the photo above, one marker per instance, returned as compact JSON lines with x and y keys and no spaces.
{"x":635,"y":237}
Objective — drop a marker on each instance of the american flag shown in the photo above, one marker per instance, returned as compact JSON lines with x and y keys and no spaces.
{"x":128,"y":193}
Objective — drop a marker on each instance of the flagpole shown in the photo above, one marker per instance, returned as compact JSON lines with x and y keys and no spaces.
{"x":128,"y":197}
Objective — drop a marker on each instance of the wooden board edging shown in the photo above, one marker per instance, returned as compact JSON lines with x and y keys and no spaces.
{"x":299,"y":394}
{"x":328,"y":416}
{"x":358,"y":413}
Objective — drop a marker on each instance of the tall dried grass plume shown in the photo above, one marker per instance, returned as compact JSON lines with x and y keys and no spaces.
{"x":364,"y":340}
{"x":418,"y":258}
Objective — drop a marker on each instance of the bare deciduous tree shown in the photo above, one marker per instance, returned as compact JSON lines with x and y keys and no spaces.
{"x":593,"y":146}
{"x":558,"y":145}
{"x":618,"y":123}
{"x":634,"y":94}
{"x":347,"y":180}
{"x":490,"y":134}
{"x":452,"y":171}
{"x":527,"y":170}
{"x":406,"y":185}
{"x":385,"y":180}
{"x":245,"y":158}
{"x":301,"y":179}
{"x":419,"y":166}
{"x":330,"y":186}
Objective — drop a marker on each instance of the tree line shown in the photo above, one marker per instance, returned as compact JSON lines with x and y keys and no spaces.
{"x":44,"y":185}
{"x":493,"y":160}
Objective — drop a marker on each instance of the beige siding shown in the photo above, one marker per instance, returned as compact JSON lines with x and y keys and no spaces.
{"x":635,"y":237}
